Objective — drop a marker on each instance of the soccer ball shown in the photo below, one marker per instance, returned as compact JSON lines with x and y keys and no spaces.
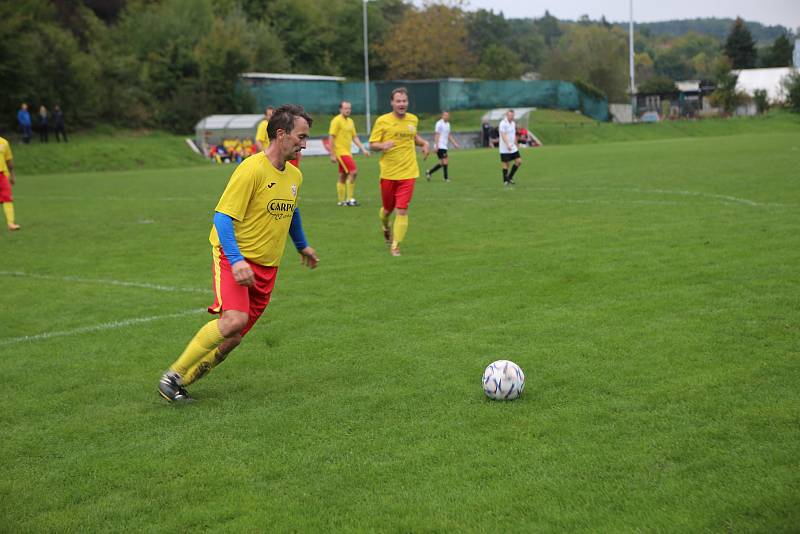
{"x":503,"y":380}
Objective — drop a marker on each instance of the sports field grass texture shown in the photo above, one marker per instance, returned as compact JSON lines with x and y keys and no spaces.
{"x":649,"y":290}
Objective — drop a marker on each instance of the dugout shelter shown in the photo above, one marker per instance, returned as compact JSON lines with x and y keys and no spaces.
{"x":212,"y":130}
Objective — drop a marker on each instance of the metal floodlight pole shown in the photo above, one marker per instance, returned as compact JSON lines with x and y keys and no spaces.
{"x":632,"y":69}
{"x":366,"y":69}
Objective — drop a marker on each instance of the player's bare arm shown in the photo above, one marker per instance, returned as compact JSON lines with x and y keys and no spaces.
{"x":382,"y":146}
{"x":426,"y":148}
{"x":11,"y":177}
{"x":361,"y":147}
{"x":331,"y":141}
{"x":506,"y":141}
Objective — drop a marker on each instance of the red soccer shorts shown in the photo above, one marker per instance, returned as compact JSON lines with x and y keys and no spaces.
{"x":295,"y":162}
{"x":5,"y":189}
{"x":346,"y":164}
{"x":231,"y":296}
{"x":396,"y":193}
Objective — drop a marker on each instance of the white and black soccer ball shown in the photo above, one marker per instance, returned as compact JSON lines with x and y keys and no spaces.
{"x":503,"y":380}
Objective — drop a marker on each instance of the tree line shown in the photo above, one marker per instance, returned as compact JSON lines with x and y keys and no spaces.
{"x":166,"y":63}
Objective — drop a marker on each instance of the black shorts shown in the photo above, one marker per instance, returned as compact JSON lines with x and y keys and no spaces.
{"x":505,"y":158}
{"x":441,"y":153}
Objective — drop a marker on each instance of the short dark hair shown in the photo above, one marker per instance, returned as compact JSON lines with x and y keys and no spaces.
{"x":284,"y":117}
{"x":399,"y":90}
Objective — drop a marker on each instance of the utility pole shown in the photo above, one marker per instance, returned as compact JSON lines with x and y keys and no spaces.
{"x":366,"y":70}
{"x":632,"y":68}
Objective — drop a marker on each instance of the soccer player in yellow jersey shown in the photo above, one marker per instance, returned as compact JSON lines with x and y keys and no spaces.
{"x":341,"y":134}
{"x":7,"y":179}
{"x":262,"y":141}
{"x":255,"y":213}
{"x":395,"y":134}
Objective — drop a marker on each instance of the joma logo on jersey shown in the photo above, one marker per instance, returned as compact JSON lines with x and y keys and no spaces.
{"x":280,"y":208}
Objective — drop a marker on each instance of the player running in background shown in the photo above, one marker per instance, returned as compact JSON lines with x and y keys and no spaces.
{"x":341,"y":134}
{"x":441,"y":138}
{"x":395,"y":134}
{"x":508,"y":147}
{"x":7,"y":179}
{"x":255,"y":213}
{"x":262,"y":141}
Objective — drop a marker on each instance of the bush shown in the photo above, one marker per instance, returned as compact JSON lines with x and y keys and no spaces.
{"x":589,"y":89}
{"x":760,"y":98}
{"x":791,"y":84}
{"x":658,"y":85}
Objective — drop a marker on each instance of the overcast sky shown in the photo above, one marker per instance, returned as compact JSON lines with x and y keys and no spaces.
{"x":784,"y":12}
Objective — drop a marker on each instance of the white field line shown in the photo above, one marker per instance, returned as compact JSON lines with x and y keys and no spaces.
{"x":106,"y":282}
{"x":98,"y":327}
{"x":727,"y":199}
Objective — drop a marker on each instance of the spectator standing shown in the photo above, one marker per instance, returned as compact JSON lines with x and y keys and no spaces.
{"x":43,"y":125}
{"x":24,"y":119}
{"x":58,"y":124}
{"x":486,"y":133}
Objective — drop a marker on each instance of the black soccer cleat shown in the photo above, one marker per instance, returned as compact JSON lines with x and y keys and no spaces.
{"x":171,"y":390}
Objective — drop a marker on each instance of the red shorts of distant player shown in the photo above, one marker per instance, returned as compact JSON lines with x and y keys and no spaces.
{"x":346,"y":165}
{"x":295,"y":162}
{"x":5,"y":189}
{"x":396,"y":193}
{"x":229,"y":295}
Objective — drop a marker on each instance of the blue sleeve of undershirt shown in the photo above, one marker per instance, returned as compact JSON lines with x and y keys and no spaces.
{"x":296,"y":231}
{"x":227,"y":239}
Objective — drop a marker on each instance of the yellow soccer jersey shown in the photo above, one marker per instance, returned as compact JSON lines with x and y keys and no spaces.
{"x":261,"y":133}
{"x":5,"y":155}
{"x":261,"y":200}
{"x":345,"y":130}
{"x":400,"y":161}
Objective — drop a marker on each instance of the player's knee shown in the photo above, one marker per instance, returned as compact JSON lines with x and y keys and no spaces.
{"x":518,"y":163}
{"x":231,"y":323}
{"x":226,"y":348}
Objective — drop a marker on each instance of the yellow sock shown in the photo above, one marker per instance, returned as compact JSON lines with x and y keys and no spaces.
{"x":204,"y":366}
{"x":8,"y":208}
{"x":207,"y":339}
{"x":384,"y":218}
{"x":340,"y":191}
{"x":399,"y":231}
{"x":351,"y":189}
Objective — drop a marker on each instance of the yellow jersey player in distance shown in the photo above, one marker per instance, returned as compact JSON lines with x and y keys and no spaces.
{"x":341,"y":135}
{"x":395,"y":135}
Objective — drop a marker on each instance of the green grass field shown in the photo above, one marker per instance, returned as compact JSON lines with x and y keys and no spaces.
{"x":648,"y":289}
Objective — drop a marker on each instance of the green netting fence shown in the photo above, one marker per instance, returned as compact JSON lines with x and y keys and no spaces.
{"x":430,"y":96}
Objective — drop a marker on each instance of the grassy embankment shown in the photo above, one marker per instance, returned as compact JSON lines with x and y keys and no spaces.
{"x":109,"y":150}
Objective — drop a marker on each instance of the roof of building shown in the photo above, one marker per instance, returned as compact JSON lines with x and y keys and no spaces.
{"x":767,"y":79}
{"x":228,"y":122}
{"x":279,"y":76}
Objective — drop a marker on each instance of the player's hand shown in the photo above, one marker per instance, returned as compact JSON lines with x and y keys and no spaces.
{"x":12,"y":179}
{"x":426,"y":149}
{"x":388,"y":145}
{"x":366,"y":152}
{"x":308,"y":257}
{"x":243,"y":273}
{"x":333,"y":158}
